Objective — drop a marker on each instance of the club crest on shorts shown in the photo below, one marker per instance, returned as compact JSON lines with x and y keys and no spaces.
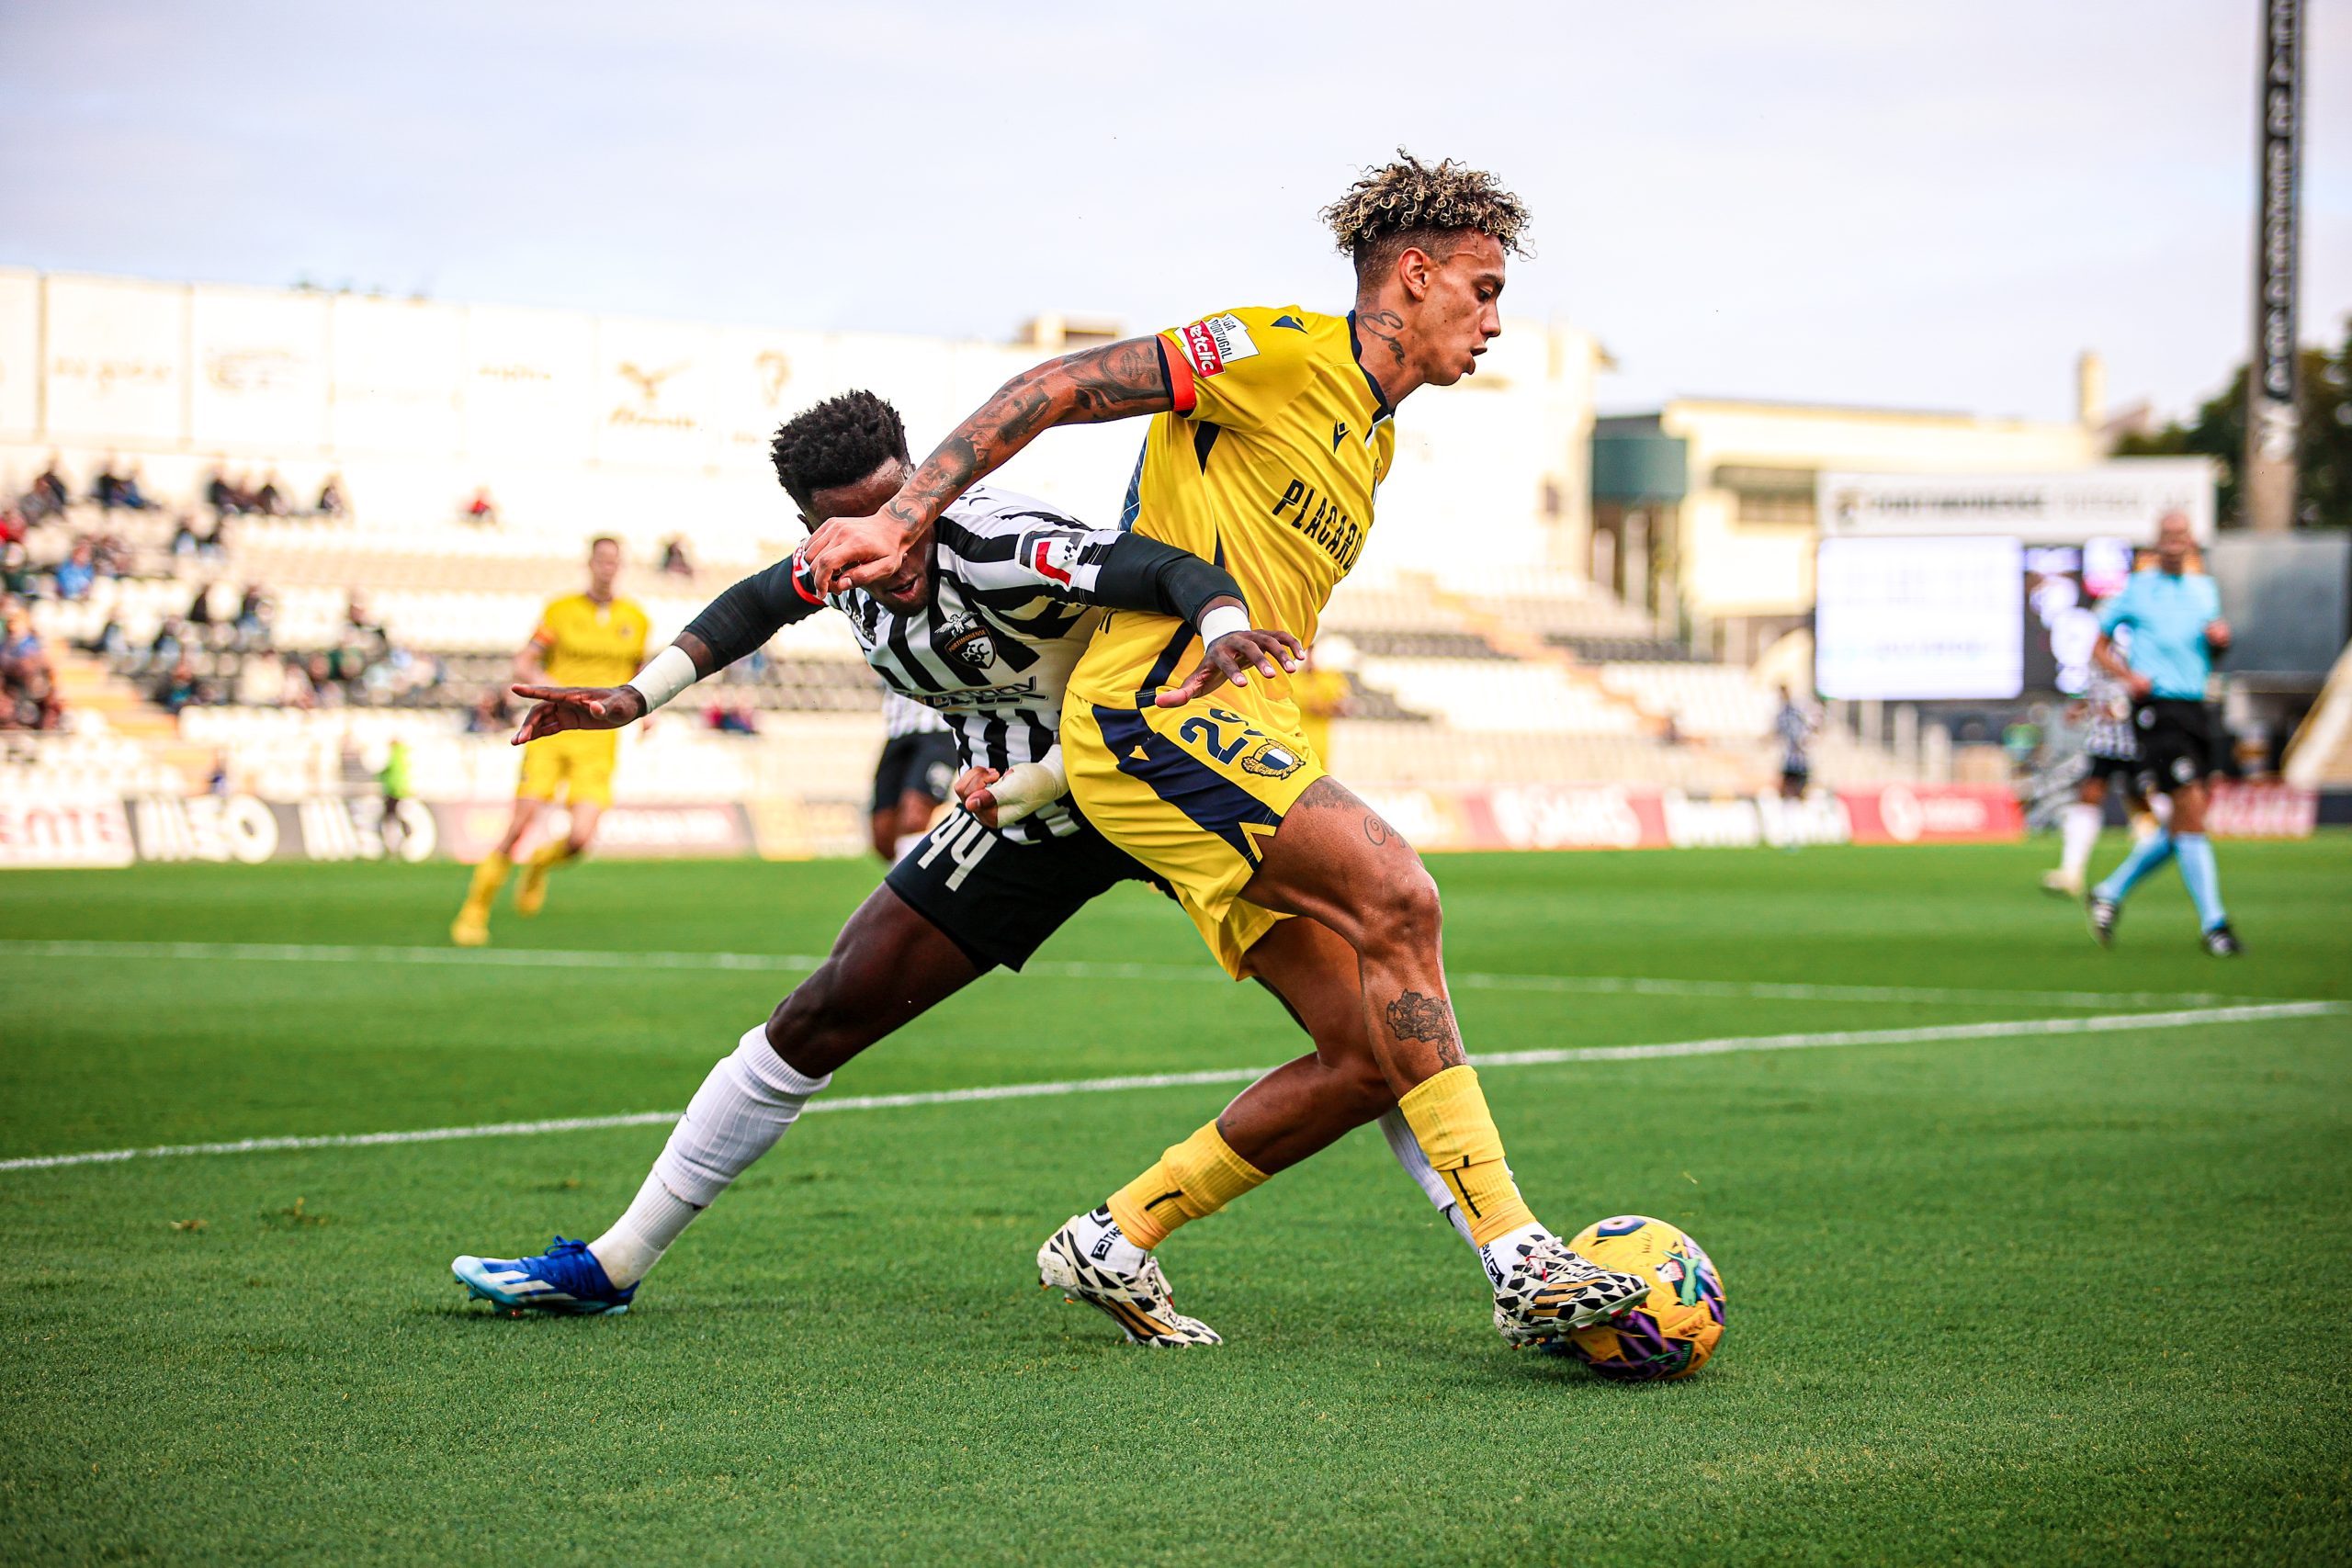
{"x":969,"y":641}
{"x":1273,"y":761}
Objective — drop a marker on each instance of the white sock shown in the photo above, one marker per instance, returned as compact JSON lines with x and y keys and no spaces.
{"x":1100,"y":1239}
{"x":637,"y":1241}
{"x":1499,"y":1253}
{"x":743,"y":1108}
{"x":2078,"y":828}
{"x":1408,"y":1150}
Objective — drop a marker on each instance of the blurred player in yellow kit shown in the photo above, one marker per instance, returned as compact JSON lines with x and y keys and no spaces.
{"x":595,"y":639}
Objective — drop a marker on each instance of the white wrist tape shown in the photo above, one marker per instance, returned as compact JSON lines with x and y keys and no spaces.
{"x":1027,"y":786}
{"x":1224,"y":621}
{"x":671,"y":672}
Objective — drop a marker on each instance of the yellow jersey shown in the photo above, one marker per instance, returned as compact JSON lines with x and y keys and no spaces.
{"x":1266,"y":466}
{"x":587,"y":644}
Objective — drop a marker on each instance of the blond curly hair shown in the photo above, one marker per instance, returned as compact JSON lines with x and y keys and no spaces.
{"x":1391,"y":207}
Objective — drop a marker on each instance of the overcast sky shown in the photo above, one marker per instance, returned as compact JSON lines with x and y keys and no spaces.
{"x":1927,"y":203}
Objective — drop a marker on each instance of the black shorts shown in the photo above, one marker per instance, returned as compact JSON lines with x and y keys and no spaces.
{"x":2119,"y":772}
{"x":921,"y":763}
{"x":1795,"y":773}
{"x":997,"y":900}
{"x":2176,"y":743}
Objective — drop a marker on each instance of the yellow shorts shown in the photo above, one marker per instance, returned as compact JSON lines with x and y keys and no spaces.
{"x":579,"y":763}
{"x":1193,"y":793}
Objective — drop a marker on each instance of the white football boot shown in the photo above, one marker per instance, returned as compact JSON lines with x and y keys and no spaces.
{"x":1139,"y":1302}
{"x":1548,"y":1290}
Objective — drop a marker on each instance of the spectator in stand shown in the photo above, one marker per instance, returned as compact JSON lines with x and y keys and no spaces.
{"x":110,"y":642}
{"x":171,"y":638}
{"x":12,"y":525}
{"x":106,"y":489}
{"x":252,"y":617}
{"x":220,"y":495}
{"x":180,"y":688}
{"x":183,"y":539}
{"x":489,"y":715}
{"x":355,"y":616}
{"x":294,"y":688}
{"x":218,"y":782}
{"x":331,"y":503}
{"x":49,"y":495}
{"x":199,"y":609}
{"x":75,"y":572}
{"x":270,"y":499}
{"x":15,"y":570}
{"x":20,"y":646}
{"x":483,"y":509}
{"x":325,"y":692}
{"x":674,"y":558}
{"x":27,"y":684}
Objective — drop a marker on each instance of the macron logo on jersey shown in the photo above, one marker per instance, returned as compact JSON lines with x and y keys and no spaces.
{"x":1054,"y":558}
{"x":804,"y":579}
{"x":1216,"y":340}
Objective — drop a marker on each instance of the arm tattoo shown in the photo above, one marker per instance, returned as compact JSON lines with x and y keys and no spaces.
{"x":1376,"y":830}
{"x":1116,"y":381}
{"x":1384,"y":326}
{"x":1416,"y":1017}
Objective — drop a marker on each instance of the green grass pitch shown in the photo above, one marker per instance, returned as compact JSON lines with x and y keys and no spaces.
{"x":2062,"y":1297}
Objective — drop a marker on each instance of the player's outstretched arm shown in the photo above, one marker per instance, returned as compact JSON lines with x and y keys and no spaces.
{"x":1119,"y":380}
{"x":731,"y":626}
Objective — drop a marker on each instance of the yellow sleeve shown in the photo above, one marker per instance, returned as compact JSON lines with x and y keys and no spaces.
{"x":546,"y":634}
{"x":1240,"y":367}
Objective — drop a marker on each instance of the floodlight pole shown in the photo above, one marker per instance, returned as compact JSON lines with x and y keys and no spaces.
{"x":2271,"y":414}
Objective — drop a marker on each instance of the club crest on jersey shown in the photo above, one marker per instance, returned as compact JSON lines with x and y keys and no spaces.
{"x":970,"y":641}
{"x":1273,"y":761}
{"x":1216,"y":342}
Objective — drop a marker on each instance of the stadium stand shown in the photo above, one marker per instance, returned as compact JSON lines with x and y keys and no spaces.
{"x":293,"y":650}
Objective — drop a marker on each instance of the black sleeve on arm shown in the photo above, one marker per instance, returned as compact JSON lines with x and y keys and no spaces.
{"x":740,"y":620}
{"x":1140,"y":573}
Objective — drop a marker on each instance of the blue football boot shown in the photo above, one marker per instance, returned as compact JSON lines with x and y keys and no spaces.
{"x":565,"y":1278}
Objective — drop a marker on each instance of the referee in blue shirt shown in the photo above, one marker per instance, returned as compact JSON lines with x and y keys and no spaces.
{"x":2177,"y":628}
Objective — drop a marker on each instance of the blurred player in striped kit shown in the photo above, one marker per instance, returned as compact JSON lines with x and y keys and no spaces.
{"x":913,"y":779}
{"x":2111,"y":760}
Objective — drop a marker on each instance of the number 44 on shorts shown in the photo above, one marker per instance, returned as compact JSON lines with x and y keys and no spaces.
{"x":962,"y":840}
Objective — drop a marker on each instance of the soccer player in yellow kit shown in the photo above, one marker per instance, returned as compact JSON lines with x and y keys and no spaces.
{"x":1270,"y":430}
{"x":595,"y":639}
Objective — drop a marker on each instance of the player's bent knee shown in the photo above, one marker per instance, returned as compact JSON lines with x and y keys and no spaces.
{"x":1402,"y":909}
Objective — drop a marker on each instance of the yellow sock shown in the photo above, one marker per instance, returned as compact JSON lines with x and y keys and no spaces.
{"x":489,"y":877}
{"x":1448,"y":1115}
{"x":548,"y":856}
{"x":1197,"y":1177}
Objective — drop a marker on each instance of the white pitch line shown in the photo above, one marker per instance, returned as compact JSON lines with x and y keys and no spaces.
{"x":1719,"y":1045}
{"x":801,"y":963}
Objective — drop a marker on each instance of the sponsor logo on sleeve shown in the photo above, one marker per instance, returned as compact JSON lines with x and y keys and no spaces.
{"x":1216,"y":342}
{"x":1054,"y":560}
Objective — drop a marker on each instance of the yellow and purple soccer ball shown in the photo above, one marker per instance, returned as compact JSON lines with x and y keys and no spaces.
{"x":1675,"y":1328}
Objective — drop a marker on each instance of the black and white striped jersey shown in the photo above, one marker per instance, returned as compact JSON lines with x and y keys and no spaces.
{"x":903,"y":715}
{"x":2109,"y":735}
{"x":1007,"y":618}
